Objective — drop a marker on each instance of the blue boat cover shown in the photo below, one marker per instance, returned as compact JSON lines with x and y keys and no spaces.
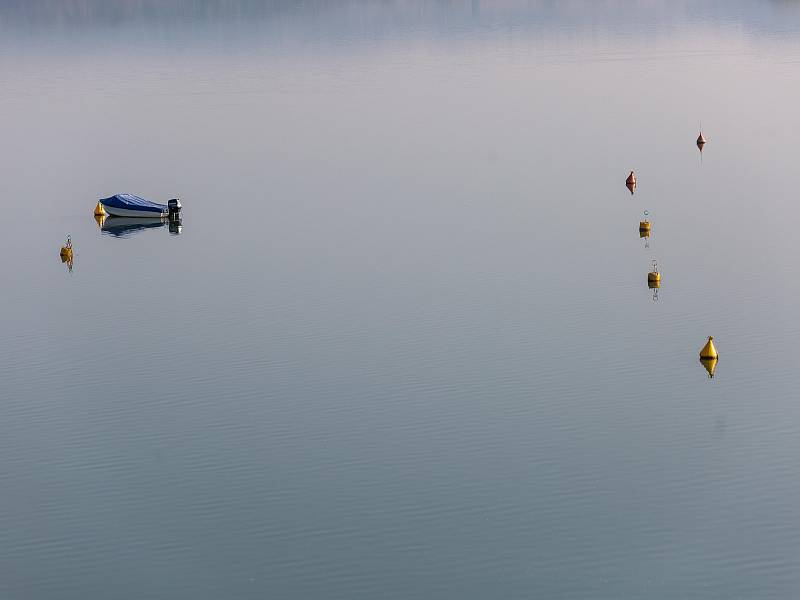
{"x":132,"y":202}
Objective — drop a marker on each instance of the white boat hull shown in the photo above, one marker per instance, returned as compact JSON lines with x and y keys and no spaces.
{"x":126,"y":212}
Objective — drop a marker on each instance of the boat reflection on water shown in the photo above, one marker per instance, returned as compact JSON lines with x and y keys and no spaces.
{"x":126,"y":226}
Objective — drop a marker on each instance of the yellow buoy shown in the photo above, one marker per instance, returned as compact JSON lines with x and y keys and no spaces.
{"x":644,"y":233}
{"x":709,"y":351}
{"x":644,"y":225}
{"x":654,"y":276}
{"x":100,"y":220}
{"x":701,"y":140}
{"x":66,"y":249}
{"x":99,"y":211}
{"x":710,"y":365}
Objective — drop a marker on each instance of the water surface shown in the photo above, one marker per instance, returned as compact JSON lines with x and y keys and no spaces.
{"x":403,"y":345}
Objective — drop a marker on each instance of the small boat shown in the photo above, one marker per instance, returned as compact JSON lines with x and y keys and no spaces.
{"x":128,"y":205}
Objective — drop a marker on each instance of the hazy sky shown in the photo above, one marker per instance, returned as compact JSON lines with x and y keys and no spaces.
{"x":382,"y":19}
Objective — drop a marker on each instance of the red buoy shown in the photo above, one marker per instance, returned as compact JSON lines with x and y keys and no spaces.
{"x":630,"y":182}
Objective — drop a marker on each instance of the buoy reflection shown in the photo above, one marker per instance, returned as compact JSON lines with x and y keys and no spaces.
{"x":69,"y":261}
{"x":654,"y":285}
{"x":710,"y":365}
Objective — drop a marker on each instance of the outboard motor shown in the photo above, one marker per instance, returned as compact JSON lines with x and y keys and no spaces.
{"x":174,"y":210}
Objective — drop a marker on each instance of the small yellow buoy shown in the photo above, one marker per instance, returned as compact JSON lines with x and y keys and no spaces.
{"x":701,"y":141}
{"x":709,"y":351}
{"x":644,"y":226}
{"x":100,"y":220}
{"x":654,"y":276}
{"x":66,"y":249}
{"x":710,"y":365}
{"x":99,"y":211}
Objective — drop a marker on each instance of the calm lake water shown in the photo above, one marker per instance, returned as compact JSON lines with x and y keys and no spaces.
{"x":403,"y":346}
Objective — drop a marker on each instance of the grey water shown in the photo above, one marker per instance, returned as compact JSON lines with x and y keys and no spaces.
{"x":403,"y":345}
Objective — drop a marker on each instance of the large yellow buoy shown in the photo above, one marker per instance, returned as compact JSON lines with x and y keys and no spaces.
{"x":709,"y":351}
{"x":99,"y":211}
